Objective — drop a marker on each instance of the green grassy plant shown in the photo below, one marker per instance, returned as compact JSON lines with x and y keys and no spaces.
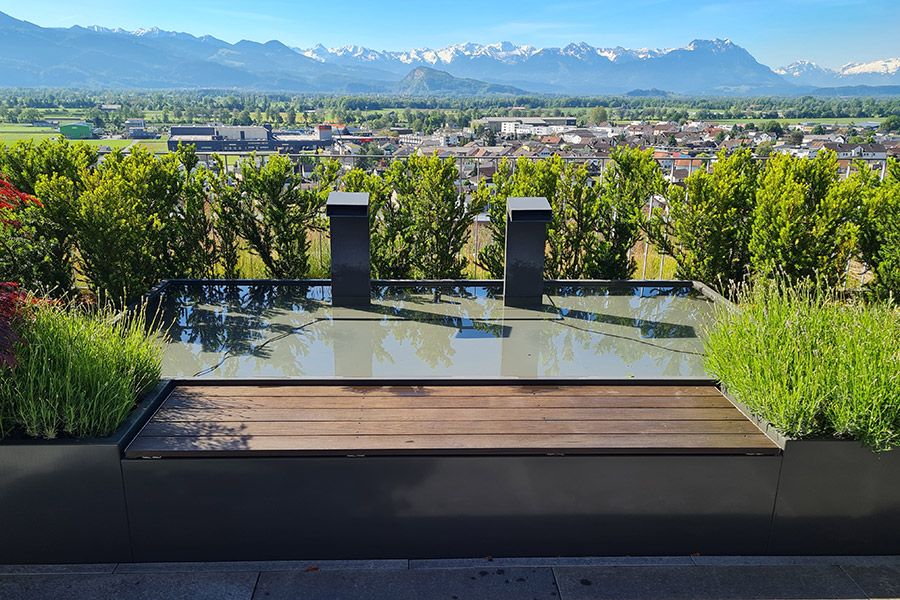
{"x":79,"y":370}
{"x":810,"y":362}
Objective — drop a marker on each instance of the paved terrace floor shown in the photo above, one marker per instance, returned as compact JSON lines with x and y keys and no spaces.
{"x":645,"y":578}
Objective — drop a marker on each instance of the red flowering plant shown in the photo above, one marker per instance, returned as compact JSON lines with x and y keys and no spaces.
{"x":12,"y":201}
{"x":10,"y":300}
{"x":14,"y":235}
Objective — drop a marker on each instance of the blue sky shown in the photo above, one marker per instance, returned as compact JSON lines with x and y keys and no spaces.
{"x":776,"y":32}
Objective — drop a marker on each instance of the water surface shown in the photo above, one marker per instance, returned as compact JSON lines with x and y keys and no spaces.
{"x":459,"y":331}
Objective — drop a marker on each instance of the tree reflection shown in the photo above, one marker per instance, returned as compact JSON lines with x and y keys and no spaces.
{"x":292,"y":329}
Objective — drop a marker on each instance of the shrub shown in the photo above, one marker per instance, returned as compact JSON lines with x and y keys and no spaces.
{"x":424,"y":188}
{"x":48,"y":264}
{"x":122,"y":216}
{"x":225,"y":238}
{"x":631,"y":178}
{"x":274,"y":213}
{"x":390,"y":223}
{"x":25,"y":163}
{"x":25,"y":257}
{"x":809,"y":363}
{"x":802,"y":223}
{"x":138,"y":219}
{"x":707,"y":228}
{"x":593,"y":226}
{"x":879,"y":229}
{"x":79,"y":370}
{"x":528,"y":179}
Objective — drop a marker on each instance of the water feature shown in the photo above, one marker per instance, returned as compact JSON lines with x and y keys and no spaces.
{"x":292,"y":330}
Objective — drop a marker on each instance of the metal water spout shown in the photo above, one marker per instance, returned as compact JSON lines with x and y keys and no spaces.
{"x":526,"y":240}
{"x":350,"y":262}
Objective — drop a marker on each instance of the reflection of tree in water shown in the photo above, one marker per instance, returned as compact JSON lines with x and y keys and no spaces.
{"x":656,"y":328}
{"x":237,"y":320}
{"x":443,"y":311}
{"x":633,"y":324}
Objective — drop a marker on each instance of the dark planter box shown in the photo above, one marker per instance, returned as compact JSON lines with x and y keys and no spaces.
{"x":63,"y":501}
{"x":204,"y":509}
{"x":837,"y":497}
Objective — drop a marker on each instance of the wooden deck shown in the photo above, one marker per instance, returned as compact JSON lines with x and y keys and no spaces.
{"x":340,"y":420}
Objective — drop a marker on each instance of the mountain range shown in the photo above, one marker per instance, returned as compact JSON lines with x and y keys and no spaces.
{"x":34,"y":56}
{"x":879,"y":72}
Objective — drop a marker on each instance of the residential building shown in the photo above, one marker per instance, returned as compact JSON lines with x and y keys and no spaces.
{"x":864,"y":151}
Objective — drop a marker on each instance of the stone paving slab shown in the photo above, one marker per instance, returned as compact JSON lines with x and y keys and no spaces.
{"x":878,"y":582}
{"x":551,"y":578}
{"x":416,"y":584}
{"x":555,"y":561}
{"x":796,"y":560}
{"x":706,"y":583}
{"x":50,"y":569}
{"x":259,"y":566}
{"x":148,"y":586}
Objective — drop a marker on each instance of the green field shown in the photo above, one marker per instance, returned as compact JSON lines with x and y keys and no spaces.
{"x":110,"y":143}
{"x":157,"y":146}
{"x":11,"y":133}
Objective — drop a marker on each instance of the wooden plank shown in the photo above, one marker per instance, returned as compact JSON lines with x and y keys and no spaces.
{"x":199,"y":402}
{"x":463,"y":428}
{"x":302,"y":420}
{"x":449,"y":414}
{"x":436,"y":444}
{"x":233,"y":391}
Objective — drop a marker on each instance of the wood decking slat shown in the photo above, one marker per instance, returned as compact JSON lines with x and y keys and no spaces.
{"x":429,"y":444}
{"x":301,"y":420}
{"x":448,"y":414}
{"x":281,"y":428}
{"x":514,"y":402}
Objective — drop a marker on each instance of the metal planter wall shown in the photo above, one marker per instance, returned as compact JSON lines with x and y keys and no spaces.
{"x":451,"y":506}
{"x":837,"y":497}
{"x":63,"y":501}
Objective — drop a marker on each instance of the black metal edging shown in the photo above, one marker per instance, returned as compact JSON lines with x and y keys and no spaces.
{"x":143,"y":412}
{"x":126,"y":430}
{"x":611,"y":283}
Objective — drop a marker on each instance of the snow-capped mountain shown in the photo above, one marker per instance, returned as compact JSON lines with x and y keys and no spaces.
{"x":805,"y":72}
{"x":502,"y":51}
{"x":31,"y":55}
{"x":878,"y":72}
{"x":703,"y":66}
{"x":888,"y":66}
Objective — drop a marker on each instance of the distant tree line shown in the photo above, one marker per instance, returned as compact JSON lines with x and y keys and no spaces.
{"x":420,"y":114}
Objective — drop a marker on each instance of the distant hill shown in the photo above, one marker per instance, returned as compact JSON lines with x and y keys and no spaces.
{"x":424,"y":81}
{"x":655,"y":93}
{"x":32,"y":56}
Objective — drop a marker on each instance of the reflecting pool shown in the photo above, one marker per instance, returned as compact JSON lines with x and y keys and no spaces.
{"x":292,"y":330}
